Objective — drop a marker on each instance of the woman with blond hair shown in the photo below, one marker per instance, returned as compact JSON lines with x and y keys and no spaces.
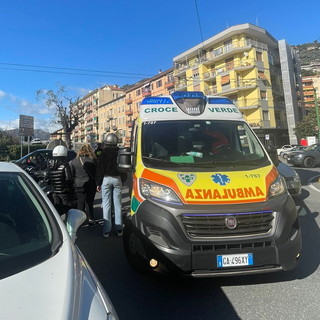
{"x":83,"y":169}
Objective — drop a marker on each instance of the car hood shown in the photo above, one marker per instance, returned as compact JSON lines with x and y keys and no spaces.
{"x":61,"y":288}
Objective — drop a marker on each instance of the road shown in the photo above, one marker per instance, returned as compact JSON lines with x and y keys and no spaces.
{"x":283,"y":295}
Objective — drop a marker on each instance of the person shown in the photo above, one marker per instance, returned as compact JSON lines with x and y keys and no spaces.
{"x":59,"y":176}
{"x":109,"y":182}
{"x":83,"y":170}
{"x":98,"y":150}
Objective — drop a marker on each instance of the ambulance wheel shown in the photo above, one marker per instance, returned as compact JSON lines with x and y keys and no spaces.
{"x":130,"y":243}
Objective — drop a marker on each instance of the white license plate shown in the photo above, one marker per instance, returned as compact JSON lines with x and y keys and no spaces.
{"x":235,"y":260}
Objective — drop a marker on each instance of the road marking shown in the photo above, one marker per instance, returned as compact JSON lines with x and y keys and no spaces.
{"x":310,"y":183}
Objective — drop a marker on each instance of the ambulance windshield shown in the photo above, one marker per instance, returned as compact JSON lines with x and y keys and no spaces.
{"x":201,"y":143}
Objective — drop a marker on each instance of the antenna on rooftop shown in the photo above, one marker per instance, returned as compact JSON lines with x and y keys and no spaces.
{"x":257,"y":22}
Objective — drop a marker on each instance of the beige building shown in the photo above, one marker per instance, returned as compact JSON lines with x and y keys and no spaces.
{"x":88,"y":106}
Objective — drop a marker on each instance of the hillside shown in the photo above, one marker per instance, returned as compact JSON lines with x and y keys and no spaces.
{"x":309,"y":54}
{"x":38,"y":133}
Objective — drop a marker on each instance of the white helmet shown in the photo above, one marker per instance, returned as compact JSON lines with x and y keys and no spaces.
{"x":60,"y":151}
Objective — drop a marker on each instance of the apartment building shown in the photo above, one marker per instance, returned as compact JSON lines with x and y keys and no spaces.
{"x":88,"y":107}
{"x":112,"y":118}
{"x":311,"y":90}
{"x":243,"y":64}
{"x":158,"y":85}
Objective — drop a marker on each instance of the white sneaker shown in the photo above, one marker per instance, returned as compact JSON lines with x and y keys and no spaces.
{"x":106,"y":234}
{"x":120,"y":232}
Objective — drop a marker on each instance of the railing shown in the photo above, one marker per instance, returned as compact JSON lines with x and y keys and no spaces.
{"x":219,"y":53}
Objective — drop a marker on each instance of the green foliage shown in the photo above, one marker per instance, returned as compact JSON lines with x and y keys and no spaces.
{"x":308,"y":125}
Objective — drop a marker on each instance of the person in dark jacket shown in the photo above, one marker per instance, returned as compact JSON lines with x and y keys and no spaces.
{"x":109,"y":182}
{"x":60,"y":178}
{"x":83,"y":169}
{"x":98,"y":150}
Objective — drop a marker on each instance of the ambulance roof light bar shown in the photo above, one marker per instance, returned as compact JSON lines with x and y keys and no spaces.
{"x":190,"y":102}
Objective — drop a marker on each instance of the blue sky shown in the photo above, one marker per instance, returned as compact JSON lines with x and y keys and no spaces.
{"x":125,"y":40}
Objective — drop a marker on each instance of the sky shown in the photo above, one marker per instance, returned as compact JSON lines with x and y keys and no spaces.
{"x":83,"y":45}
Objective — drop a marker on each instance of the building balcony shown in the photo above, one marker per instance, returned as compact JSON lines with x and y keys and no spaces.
{"x":211,"y":91}
{"x":169,"y":84}
{"x":230,"y":50}
{"x":129,"y":123}
{"x":128,"y":100}
{"x":129,"y":112}
{"x":208,"y":76}
{"x":146,"y":92}
{"x":240,"y":86}
{"x":181,"y":85}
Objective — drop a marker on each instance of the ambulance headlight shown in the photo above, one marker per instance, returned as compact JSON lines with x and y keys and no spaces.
{"x":158,"y":192}
{"x":278,"y":187}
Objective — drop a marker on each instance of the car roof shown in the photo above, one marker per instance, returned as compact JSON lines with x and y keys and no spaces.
{"x":9,"y":167}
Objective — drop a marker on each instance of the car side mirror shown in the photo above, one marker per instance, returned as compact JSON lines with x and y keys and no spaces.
{"x":272,"y":151}
{"x":124,"y":160}
{"x":75,"y":219}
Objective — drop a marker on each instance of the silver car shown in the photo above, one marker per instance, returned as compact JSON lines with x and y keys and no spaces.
{"x":43,"y":274}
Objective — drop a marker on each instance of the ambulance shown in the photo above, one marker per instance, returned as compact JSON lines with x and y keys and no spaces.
{"x":207,"y":199}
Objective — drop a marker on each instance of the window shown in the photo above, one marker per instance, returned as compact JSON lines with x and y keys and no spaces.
{"x":259,"y":56}
{"x":138,"y":92}
{"x":265,"y":115}
{"x":159,"y":84}
{"x":263,"y":95}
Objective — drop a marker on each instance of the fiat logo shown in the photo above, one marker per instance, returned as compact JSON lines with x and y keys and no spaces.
{"x":231,"y":222}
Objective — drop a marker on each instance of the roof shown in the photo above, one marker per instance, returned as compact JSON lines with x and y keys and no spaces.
{"x":9,"y":167}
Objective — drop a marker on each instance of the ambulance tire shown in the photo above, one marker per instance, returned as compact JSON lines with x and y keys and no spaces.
{"x":130,"y":243}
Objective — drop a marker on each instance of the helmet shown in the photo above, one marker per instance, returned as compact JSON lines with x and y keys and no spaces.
{"x":111,"y":139}
{"x":60,"y":151}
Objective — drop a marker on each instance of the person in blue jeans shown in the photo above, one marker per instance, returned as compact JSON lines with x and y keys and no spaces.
{"x":109,"y":183}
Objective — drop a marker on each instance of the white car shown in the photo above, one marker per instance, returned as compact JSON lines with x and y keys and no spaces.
{"x":286,"y":147}
{"x":36,"y":141}
{"x":43,"y":274}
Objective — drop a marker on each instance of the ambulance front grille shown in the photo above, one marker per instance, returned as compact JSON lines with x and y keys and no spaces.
{"x":215,"y":225}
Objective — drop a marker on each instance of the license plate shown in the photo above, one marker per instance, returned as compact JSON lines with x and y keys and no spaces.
{"x":235,"y":260}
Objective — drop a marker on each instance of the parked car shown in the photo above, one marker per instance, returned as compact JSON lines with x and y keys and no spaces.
{"x":284,"y":154}
{"x":43,"y":273}
{"x":36,"y":141}
{"x":38,"y":159}
{"x":309,"y":157}
{"x":291,"y":177}
{"x":286,"y":147}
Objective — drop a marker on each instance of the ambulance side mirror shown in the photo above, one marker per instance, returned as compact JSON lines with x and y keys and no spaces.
{"x":124,"y":160}
{"x":272,"y":151}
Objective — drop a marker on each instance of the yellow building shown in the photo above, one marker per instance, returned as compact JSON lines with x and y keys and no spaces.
{"x":243,"y":64}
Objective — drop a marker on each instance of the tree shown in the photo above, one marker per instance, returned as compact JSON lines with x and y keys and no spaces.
{"x":308,"y":125}
{"x":68,"y":112}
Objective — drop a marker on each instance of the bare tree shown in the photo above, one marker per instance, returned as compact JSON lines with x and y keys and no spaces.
{"x":68,"y":111}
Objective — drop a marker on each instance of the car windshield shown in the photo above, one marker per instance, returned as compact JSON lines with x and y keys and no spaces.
{"x":28,"y":235}
{"x":200,"y":143}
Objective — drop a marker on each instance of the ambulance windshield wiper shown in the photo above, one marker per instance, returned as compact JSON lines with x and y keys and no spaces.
{"x":164,"y":161}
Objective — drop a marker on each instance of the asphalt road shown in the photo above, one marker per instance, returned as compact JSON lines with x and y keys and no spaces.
{"x":283,"y":295}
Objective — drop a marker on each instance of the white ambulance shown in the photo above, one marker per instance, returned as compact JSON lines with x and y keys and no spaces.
{"x":207,"y":199}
